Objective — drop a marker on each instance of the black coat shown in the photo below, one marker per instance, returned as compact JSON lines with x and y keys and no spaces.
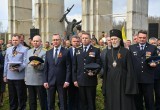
{"x":145,"y":73}
{"x":80,"y":60}
{"x":119,"y":83}
{"x":57,"y":73}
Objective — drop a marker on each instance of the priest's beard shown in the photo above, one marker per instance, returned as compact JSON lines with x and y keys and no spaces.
{"x":115,"y":45}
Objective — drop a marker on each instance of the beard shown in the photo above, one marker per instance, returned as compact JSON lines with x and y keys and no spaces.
{"x":115,"y":45}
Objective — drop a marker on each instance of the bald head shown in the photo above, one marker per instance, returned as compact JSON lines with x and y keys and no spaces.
{"x":37,"y":41}
{"x":37,"y":37}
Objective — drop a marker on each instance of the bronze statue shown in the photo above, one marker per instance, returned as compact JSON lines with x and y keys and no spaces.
{"x":70,"y":25}
{"x":66,"y":12}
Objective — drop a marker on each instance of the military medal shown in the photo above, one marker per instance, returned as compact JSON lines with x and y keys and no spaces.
{"x":114,"y":64}
{"x":14,"y":53}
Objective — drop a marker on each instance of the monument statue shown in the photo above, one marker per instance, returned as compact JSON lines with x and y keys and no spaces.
{"x":70,"y":25}
{"x":65,"y":13}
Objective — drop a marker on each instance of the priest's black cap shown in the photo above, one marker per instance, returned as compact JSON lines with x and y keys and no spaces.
{"x":155,"y":59}
{"x":117,"y":33}
{"x":36,"y":58}
{"x":92,"y":66}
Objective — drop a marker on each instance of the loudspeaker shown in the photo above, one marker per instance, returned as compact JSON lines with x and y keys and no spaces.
{"x":153,"y":30}
{"x":34,"y":32}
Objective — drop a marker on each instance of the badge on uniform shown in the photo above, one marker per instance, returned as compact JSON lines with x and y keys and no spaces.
{"x":92,"y":54}
{"x":15,"y":53}
{"x":135,"y":53}
{"x":60,"y":55}
{"x":77,"y":53}
{"x":119,"y":56}
{"x":148,"y":54}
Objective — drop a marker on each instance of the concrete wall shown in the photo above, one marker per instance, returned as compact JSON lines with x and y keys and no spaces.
{"x":47,"y":16}
{"x":20,"y":17}
{"x":96,"y":16}
{"x":137,"y":17}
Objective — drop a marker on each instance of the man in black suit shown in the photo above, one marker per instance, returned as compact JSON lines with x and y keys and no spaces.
{"x":57,"y":73}
{"x":72,"y":90}
{"x":86,"y":54}
{"x":153,"y":41}
{"x":144,"y":71}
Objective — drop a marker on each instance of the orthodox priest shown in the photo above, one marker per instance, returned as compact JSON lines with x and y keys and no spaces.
{"x":119,"y":83}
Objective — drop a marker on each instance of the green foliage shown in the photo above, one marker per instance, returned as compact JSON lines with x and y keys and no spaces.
{"x":99,"y":100}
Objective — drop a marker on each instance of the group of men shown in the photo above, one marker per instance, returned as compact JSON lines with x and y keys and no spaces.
{"x":128,"y":80}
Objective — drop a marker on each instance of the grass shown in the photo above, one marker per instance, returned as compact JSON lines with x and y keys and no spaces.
{"x":99,"y":100}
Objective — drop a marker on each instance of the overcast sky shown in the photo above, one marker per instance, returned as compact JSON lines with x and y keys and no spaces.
{"x":119,"y":7}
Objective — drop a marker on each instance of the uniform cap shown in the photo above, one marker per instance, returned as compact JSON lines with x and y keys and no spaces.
{"x":36,"y":58}
{"x":92,"y":66}
{"x":155,"y":59}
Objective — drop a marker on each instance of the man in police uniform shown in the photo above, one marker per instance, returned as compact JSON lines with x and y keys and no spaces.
{"x":86,"y":54}
{"x":14,"y":73}
{"x":34,"y":75}
{"x":145,"y":72}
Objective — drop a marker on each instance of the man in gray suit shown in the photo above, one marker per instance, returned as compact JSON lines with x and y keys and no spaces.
{"x":15,"y":59}
{"x":34,"y":75}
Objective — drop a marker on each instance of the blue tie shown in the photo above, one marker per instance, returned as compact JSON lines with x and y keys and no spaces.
{"x":142,"y":47}
{"x":55,"y":57}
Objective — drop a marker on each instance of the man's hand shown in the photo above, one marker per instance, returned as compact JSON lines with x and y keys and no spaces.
{"x":34,"y":64}
{"x":46,"y":85}
{"x":76,"y":84}
{"x":14,"y":69}
{"x":153,"y":64}
{"x":66,"y":84}
{"x":5,"y":79}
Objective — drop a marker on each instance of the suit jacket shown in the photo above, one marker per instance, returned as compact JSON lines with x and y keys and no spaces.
{"x":145,"y":73}
{"x":103,"y":59}
{"x":20,"y":57}
{"x":1,"y":66}
{"x":34,"y":75}
{"x":57,"y":73}
{"x":72,"y":62}
{"x":80,"y":60}
{"x":1,"y":63}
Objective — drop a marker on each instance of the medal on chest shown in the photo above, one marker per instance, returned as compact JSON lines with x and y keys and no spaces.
{"x":114,"y":63}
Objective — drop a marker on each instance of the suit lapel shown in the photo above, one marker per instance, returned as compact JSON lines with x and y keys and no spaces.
{"x":51,"y":55}
{"x":71,"y":52}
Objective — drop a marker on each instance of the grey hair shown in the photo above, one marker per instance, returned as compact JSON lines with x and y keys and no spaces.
{"x":153,"y":38}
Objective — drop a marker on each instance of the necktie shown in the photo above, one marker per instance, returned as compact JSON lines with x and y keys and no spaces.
{"x":142,"y":47}
{"x":85,"y":49}
{"x":55,"y":55}
{"x":34,"y":51}
{"x":14,"y":50}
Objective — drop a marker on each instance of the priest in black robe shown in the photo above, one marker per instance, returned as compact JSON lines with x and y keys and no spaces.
{"x":119,"y":81}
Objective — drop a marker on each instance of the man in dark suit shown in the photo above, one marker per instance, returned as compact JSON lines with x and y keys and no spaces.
{"x":103,"y":54}
{"x":72,"y":90}
{"x":86,"y":54}
{"x":57,"y":73}
{"x":144,"y":71}
{"x":2,"y":83}
{"x":153,"y":41}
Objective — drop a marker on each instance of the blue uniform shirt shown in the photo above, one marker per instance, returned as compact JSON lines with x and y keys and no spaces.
{"x":21,"y":53}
